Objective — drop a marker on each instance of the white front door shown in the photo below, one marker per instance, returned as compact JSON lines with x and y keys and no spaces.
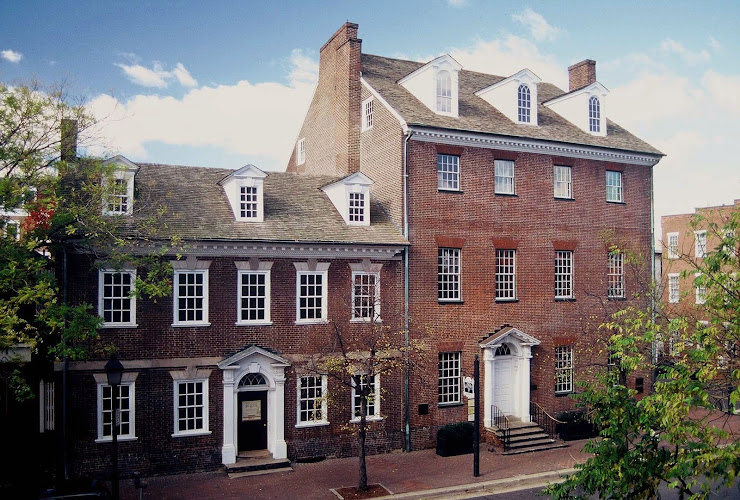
{"x":504,"y":384}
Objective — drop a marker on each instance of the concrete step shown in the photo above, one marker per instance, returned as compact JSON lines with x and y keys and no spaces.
{"x":532,"y":449}
{"x":529,"y":437}
{"x":522,"y":432}
{"x":530,"y":443}
{"x":257,"y":465}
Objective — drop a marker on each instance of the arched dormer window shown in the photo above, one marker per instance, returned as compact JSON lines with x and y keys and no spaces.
{"x":594,"y":115}
{"x":444,"y":92}
{"x":523,"y":104}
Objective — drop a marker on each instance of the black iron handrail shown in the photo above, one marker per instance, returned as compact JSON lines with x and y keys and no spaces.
{"x":549,"y":424}
{"x":503,"y":424}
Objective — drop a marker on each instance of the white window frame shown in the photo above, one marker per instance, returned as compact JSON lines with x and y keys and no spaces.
{"x":324,"y":420}
{"x":700,"y":244}
{"x":504,"y":183}
{"x":448,"y":172}
{"x":47,"y":405}
{"x":131,"y":435}
{"x":701,"y":292}
{"x":566,"y":277}
{"x":300,"y":153}
{"x":615,"y":276}
{"x":244,"y":203}
{"x":132,"y":298}
{"x":368,"y":113}
{"x":176,"y":406}
{"x":524,"y":104}
{"x":563,"y":369}
{"x":443,"y":81}
{"x":176,"y":296}
{"x":674,"y":293}
{"x":614,"y":192}
{"x":126,"y":176}
{"x":358,"y":211}
{"x":729,"y":234}
{"x":322,"y":270}
{"x":375,"y":400}
{"x":562,"y":182}
{"x":376,"y":293}
{"x":594,"y":115}
{"x":449,"y":275}
{"x":449,"y":378}
{"x":505,"y":286}
{"x":263,"y":271}
{"x":672,"y":245}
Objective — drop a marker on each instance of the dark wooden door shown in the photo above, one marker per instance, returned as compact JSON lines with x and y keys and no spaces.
{"x":252,"y":420}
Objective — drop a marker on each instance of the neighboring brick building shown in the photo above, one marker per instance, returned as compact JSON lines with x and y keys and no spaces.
{"x":513,"y":195}
{"x":271,"y":263}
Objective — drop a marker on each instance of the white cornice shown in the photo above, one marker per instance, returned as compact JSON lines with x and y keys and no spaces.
{"x":380,"y":99}
{"x":520,"y":144}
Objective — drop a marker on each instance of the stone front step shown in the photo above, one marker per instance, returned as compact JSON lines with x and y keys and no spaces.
{"x":525,"y":437}
{"x":255,"y":465}
{"x":531,"y":449}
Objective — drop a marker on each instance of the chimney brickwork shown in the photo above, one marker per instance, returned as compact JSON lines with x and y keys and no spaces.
{"x":68,"y":143}
{"x":581,"y":74}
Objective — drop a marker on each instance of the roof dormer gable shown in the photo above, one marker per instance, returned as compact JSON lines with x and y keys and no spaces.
{"x":118,"y":185}
{"x":436,"y":85}
{"x":351,"y":198}
{"x":515,"y":97}
{"x":244,"y":189}
{"x":584,"y":108}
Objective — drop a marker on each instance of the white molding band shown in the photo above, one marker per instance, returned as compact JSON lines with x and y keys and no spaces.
{"x":505,"y":143}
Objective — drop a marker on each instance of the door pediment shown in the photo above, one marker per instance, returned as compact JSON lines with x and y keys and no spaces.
{"x":253,"y":351}
{"x":509,"y":334}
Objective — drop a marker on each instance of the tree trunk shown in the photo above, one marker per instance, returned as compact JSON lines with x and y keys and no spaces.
{"x":362,"y":485}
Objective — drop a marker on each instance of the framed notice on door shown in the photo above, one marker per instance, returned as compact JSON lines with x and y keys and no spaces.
{"x":251,"y":410}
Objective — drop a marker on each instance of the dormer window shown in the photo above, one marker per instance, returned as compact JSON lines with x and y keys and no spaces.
{"x":444,"y":92}
{"x":594,"y":115}
{"x":245,"y":191}
{"x":523,"y":104}
{"x":118,"y":186}
{"x":351,"y":198}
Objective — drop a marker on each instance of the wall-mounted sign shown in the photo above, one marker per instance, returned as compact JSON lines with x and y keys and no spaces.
{"x":468,"y":385}
{"x":251,"y":411}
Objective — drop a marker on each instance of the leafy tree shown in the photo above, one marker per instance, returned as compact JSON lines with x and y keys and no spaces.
{"x":675,"y":435}
{"x":58,"y":196}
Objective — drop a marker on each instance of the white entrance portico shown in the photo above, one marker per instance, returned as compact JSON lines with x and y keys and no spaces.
{"x":249,"y":363}
{"x":507,"y":356}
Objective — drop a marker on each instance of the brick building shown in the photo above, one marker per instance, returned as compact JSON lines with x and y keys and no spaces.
{"x":516,"y":198}
{"x":271,"y":263}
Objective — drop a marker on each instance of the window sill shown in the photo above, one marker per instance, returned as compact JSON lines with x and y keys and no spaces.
{"x":616,"y":298}
{"x":119,"y":325}
{"x":190,"y":325}
{"x":367,"y":419}
{"x":563,"y":394}
{"x":508,"y":195}
{"x":191,"y":434}
{"x":616,"y":202}
{"x":308,"y":425}
{"x":451,"y":405}
{"x":565,"y":299}
{"x":253,"y":323}
{"x":456,"y":301}
{"x":503,"y":301}
{"x":442,"y":190}
{"x":365,"y":320}
{"x":120,"y":439}
{"x":559,"y":198}
{"x":312,"y":322}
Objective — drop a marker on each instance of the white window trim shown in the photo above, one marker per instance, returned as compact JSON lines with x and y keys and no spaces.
{"x":572,"y":276}
{"x":514,"y":298}
{"x":372,"y":270}
{"x":619,"y":265}
{"x":528,"y":107}
{"x":671,"y":253}
{"x":570,"y":369}
{"x":321,"y":268}
{"x":128,"y":176}
{"x":324,"y":406}
{"x":365,"y":126}
{"x":365,"y":192}
{"x":369,"y":418}
{"x":131,"y":436}
{"x":700,"y":291}
{"x":206,"y":425}
{"x":459,"y":297}
{"x":300,"y":151}
{"x":129,"y":324}
{"x":496,"y":189}
{"x":698,"y":252}
{"x":569,"y":183}
{"x":459,"y":170}
{"x":175,"y":297}
{"x":459,"y":380}
{"x":264,"y":268}
{"x":621,"y":186}
{"x":678,"y":282}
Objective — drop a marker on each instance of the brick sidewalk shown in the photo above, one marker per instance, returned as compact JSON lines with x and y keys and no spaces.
{"x":399,"y":472}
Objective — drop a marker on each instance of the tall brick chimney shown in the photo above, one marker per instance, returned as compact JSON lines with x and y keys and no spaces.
{"x":581,"y":74}
{"x":68,"y":130}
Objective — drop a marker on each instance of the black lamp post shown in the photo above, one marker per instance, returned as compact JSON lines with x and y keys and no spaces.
{"x":114,"y":372}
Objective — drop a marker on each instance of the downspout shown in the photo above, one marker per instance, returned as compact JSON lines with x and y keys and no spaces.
{"x":656,"y":284}
{"x":65,"y":369}
{"x":407,"y":408}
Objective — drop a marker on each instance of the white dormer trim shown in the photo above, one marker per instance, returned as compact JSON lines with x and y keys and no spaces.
{"x":573,"y":106}
{"x":344,"y":194}
{"x":125,"y":170}
{"x":504,"y":95}
{"x":249,"y":179}
{"x":422,"y":83}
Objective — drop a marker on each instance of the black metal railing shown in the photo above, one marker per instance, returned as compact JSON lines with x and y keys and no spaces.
{"x":548,"y":423}
{"x":502,"y":424}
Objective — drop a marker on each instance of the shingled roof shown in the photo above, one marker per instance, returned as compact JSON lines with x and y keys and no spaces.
{"x":296,"y":210}
{"x":476,"y":115}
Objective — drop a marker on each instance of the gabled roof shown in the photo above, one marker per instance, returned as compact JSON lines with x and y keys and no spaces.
{"x":246,"y":171}
{"x":250,"y":351}
{"x":523,"y":74}
{"x":121,"y":160}
{"x":356,"y":178}
{"x":500,"y":337}
{"x":476,"y":115}
{"x":295,"y":209}
{"x":445,"y":59}
{"x":596,"y":86}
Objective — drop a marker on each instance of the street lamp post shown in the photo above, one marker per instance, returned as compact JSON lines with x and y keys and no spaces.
{"x":114,"y":372}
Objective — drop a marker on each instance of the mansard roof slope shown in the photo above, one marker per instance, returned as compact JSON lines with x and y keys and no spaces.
{"x":295,"y":209}
{"x":478,"y":116}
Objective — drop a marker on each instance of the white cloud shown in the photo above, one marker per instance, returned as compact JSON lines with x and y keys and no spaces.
{"x":714,"y":44}
{"x":247,"y":119}
{"x":670,"y":46}
{"x":540,"y":29}
{"x":724,"y":89}
{"x":11,"y":56}
{"x":157,"y":76}
{"x":457,"y":3}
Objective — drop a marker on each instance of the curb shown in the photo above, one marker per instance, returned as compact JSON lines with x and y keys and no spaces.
{"x":508,"y":484}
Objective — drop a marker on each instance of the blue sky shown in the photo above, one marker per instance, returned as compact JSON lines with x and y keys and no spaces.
{"x":227,"y":83}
